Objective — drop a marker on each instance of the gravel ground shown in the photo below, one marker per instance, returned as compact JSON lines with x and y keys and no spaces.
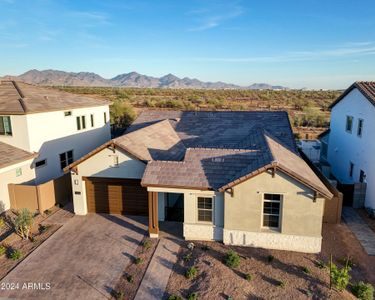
{"x":299,"y":272}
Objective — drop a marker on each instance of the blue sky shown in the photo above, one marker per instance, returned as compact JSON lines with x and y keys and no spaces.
{"x":296,"y":43}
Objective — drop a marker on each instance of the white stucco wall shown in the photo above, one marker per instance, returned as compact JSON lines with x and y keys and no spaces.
{"x":52,"y":133}
{"x":345,"y":147}
{"x":8,"y":175}
{"x":101,"y":165}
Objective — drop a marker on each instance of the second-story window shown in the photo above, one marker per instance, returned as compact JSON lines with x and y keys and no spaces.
{"x":105,"y":118}
{"x":92,"y":120}
{"x":81,"y":122}
{"x":351,"y":169}
{"x":360,"y":127}
{"x":349,"y":123}
{"x":5,"y":125}
{"x":66,"y":159}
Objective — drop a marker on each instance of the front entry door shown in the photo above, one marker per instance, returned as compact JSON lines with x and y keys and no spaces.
{"x":174,"y":207}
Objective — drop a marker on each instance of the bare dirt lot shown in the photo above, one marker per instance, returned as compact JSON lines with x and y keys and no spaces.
{"x":289,"y":275}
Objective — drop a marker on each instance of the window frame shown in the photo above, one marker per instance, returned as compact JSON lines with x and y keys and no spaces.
{"x":68,"y":160}
{"x":81,"y":122}
{"x":39,"y":161}
{"x":360,"y":127}
{"x":9,"y":126}
{"x":105,"y":117}
{"x":278,"y":228}
{"x":351,"y":118}
{"x":92,"y":120}
{"x":68,"y":113}
{"x":351,"y":169}
{"x":206,"y":209}
{"x":362,"y":176}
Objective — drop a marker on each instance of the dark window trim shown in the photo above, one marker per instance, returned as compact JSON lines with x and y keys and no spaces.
{"x":360,"y":128}
{"x":43,"y":161}
{"x":351,"y":169}
{"x":105,"y":118}
{"x":351,"y":118}
{"x":66,"y":159}
{"x":81,"y":122}
{"x":68,"y":113}
{"x":92,"y":120}
{"x":6,"y":129}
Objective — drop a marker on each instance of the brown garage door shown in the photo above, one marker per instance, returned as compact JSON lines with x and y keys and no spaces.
{"x":116,"y":196}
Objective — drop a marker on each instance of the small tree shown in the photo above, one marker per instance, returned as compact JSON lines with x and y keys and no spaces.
{"x":363,"y":291}
{"x":339,"y":278}
{"x":23,"y":223}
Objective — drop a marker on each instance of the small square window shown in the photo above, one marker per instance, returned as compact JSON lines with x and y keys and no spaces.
{"x":18,"y":172}
{"x":40,"y":163}
{"x":67,"y":113}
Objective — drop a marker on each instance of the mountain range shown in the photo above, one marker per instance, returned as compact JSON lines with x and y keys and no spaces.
{"x":132,"y":79}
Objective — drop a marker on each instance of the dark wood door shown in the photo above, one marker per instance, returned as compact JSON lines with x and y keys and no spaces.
{"x":116,"y":196}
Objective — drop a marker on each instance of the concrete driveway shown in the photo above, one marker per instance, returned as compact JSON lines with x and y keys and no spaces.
{"x":82,"y":260}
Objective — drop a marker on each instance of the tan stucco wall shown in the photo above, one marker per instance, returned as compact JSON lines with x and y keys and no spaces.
{"x":8,"y":175}
{"x":300,"y":214}
{"x":101,"y":165}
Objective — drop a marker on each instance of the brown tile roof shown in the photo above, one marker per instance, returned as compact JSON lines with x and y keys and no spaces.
{"x":367,"y":88}
{"x":213,"y":150}
{"x":155,"y":142}
{"x":10,"y":155}
{"x":22,"y":98}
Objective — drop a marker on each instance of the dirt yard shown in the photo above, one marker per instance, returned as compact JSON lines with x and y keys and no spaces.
{"x":364,"y":215}
{"x":289,"y":275}
{"x":133,"y":274}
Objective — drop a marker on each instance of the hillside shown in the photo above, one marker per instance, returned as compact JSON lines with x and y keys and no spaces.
{"x":132,"y":79}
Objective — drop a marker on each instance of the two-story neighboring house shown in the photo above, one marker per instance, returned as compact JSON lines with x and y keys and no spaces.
{"x":60,"y":127}
{"x":351,"y":142}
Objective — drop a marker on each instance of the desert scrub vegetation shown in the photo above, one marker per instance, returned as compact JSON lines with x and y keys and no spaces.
{"x":363,"y":291}
{"x":307,"y":108}
{"x":14,"y":254}
{"x":191,"y":273}
{"x":232,"y":259}
{"x":23,"y":223}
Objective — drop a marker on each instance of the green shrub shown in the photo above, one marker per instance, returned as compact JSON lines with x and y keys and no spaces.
{"x":23,"y":223}
{"x":339,"y":277}
{"x":191,"y":272}
{"x":42,"y":228}
{"x":130,"y":278}
{"x":146,"y":244}
{"x":187,"y":257}
{"x":363,"y":291}
{"x":281,"y":284}
{"x":193,"y":296}
{"x":248,"y":277}
{"x":270,"y":258}
{"x":306,"y":270}
{"x":232,"y":259}
{"x":120,"y":296}
{"x":138,"y":261}
{"x":3,"y":249}
{"x":320,"y":264}
{"x":15,"y":254}
{"x":174,"y":297}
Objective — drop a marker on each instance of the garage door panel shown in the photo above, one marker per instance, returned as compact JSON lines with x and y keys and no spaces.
{"x":118,"y":196}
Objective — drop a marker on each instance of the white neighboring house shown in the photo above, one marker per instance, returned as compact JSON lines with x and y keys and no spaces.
{"x":351,"y":142}
{"x":59,"y":126}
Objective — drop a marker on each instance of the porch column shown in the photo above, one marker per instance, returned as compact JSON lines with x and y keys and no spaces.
{"x":153,"y":222}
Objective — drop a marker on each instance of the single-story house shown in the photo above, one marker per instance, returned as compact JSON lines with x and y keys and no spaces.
{"x":235,"y":177}
{"x":15,"y":167}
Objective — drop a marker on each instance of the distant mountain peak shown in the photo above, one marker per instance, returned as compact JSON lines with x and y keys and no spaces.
{"x":131,"y":79}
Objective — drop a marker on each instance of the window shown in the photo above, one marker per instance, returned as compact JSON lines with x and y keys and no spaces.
{"x":362,"y":176}
{"x":18,"y":172}
{"x":105,"y":118}
{"x":92,"y":120}
{"x":360,"y":127}
{"x":81,"y":122}
{"x":5,"y":125}
{"x":66,"y":159}
{"x":349,"y":123}
{"x":67,"y":113}
{"x":351,"y":169}
{"x":271,"y":210}
{"x":40,"y":163}
{"x":324,"y":150}
{"x":205,"y":209}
